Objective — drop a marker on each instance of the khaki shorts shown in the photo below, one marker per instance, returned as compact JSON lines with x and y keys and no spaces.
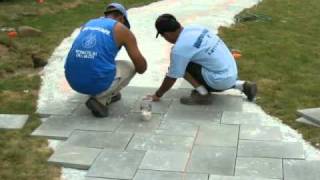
{"x":125,"y":71}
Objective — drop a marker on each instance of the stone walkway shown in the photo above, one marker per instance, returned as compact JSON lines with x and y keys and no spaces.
{"x":216,"y":142}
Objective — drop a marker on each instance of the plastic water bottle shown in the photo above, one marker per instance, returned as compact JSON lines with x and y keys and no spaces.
{"x":146,"y":109}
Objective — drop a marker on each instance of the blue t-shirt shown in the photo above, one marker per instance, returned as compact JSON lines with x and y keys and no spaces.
{"x":90,"y":65}
{"x":199,"y":45}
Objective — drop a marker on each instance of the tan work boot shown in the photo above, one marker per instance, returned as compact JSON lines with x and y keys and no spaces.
{"x":196,"y":99}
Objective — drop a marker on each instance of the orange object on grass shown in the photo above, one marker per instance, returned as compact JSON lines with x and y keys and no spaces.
{"x":236,"y":55}
{"x":12,"y":34}
{"x":40,"y":1}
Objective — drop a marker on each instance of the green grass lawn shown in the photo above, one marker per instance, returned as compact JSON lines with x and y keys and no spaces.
{"x":283,"y":56}
{"x":22,"y":156}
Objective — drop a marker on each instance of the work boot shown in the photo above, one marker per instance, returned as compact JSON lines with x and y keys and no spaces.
{"x":97,"y":109}
{"x":114,"y":98}
{"x":196,"y":99}
{"x":250,"y":89}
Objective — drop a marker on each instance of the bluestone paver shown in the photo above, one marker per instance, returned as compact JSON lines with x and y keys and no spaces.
{"x":259,"y":167}
{"x":312,"y":114}
{"x":160,"y":107}
{"x":263,"y":133}
{"x":306,"y":121}
{"x":133,"y":123}
{"x":74,"y":157}
{"x":91,"y":123}
{"x":218,"y":135}
{"x":12,"y":121}
{"x":137,"y":92}
{"x":56,"y":127}
{"x":160,"y":143}
{"x":177,"y":128}
{"x":96,"y":139}
{"x":212,"y":160}
{"x":165,"y":161}
{"x":218,"y":177}
{"x":92,"y":178}
{"x":57,"y":108}
{"x":301,"y":170}
{"x":116,"y":164}
{"x":194,"y":117}
{"x":270,"y":149}
{"x":164,"y":175}
{"x":240,"y":118}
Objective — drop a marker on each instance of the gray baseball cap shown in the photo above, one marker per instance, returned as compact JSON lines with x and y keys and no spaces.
{"x":118,"y":7}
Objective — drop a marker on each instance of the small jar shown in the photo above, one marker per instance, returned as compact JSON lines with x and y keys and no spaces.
{"x":146,"y":109}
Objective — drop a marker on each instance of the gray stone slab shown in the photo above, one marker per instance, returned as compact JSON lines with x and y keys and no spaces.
{"x":116,"y":110}
{"x":212,"y":160}
{"x":259,"y":167}
{"x":306,"y":121}
{"x":116,"y":165}
{"x":165,"y":161}
{"x":177,"y":129}
{"x":74,"y":157}
{"x":218,"y":135}
{"x":164,"y":175}
{"x":57,"y":108}
{"x":133,"y":123}
{"x":160,"y":143}
{"x":217,"y":177}
{"x":241,"y":118}
{"x":312,"y":114}
{"x":95,"y":139}
{"x":298,"y":169}
{"x":91,"y":178}
{"x":270,"y":149}
{"x":196,"y":117}
{"x":56,"y":127}
{"x":12,"y":121}
{"x":264,"y":133}
{"x":137,"y":92}
{"x":220,"y":103}
{"x":91,"y":123}
{"x":160,"y":107}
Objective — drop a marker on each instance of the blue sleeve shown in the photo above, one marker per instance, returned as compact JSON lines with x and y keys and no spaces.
{"x":178,"y":65}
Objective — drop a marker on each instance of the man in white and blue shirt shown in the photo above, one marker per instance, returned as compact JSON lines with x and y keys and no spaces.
{"x":200,"y":57}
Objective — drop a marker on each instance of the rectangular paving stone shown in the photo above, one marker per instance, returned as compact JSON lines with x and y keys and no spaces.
{"x":91,"y":123}
{"x":259,"y":167}
{"x":212,"y":160}
{"x":263,"y":133}
{"x":218,"y":135}
{"x":133,"y":123}
{"x":137,"y":92}
{"x":299,"y":169}
{"x":270,"y":149}
{"x":74,"y":157}
{"x":100,"y":140}
{"x":195,"y":117}
{"x":56,"y":108}
{"x":218,"y":177}
{"x":164,"y":175}
{"x":165,"y":161}
{"x":155,"y":142}
{"x":312,"y":114}
{"x":13,"y":121}
{"x":241,"y":118}
{"x":56,"y":127}
{"x":160,"y":107}
{"x":91,"y":178}
{"x":306,"y":121}
{"x":116,"y":165}
{"x":177,"y":128}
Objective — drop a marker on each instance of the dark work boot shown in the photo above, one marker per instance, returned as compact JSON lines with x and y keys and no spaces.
{"x":97,"y":109}
{"x":114,"y":98}
{"x":196,"y":99}
{"x":250,"y":89}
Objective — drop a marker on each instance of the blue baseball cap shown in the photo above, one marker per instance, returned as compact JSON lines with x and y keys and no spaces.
{"x":118,"y":7}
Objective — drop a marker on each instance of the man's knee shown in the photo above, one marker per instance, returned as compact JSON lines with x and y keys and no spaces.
{"x":125,"y":68}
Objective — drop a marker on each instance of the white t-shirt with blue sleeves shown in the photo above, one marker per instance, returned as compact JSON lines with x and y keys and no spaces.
{"x":199,"y":45}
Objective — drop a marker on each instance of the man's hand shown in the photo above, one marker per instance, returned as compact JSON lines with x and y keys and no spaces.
{"x":153,"y":97}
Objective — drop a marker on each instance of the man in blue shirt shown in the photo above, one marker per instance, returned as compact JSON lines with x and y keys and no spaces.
{"x":200,"y":57}
{"x":90,"y":66}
